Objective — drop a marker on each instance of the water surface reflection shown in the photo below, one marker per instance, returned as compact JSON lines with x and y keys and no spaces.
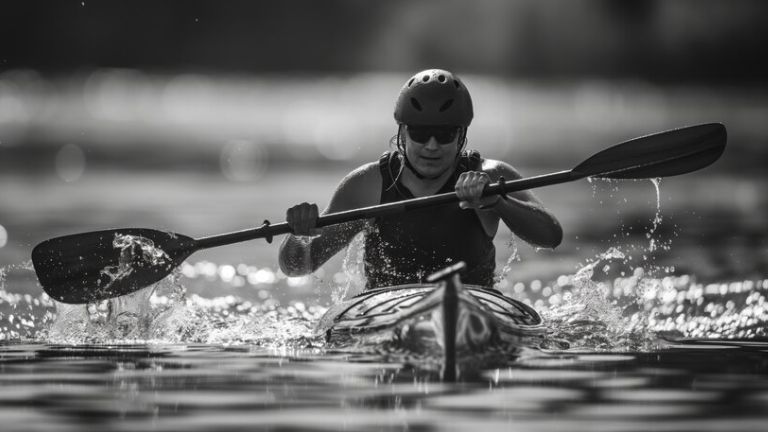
{"x":695,"y":385}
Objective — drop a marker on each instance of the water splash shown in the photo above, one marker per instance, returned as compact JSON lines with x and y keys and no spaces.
{"x":657,"y":218}
{"x":656,"y":243}
{"x":135,"y":252}
{"x":590,"y":309}
{"x":579,"y":309}
{"x":165,"y":314}
{"x":351,"y":279}
{"x":21,"y":314}
{"x":646,"y":306}
{"x":161,"y":313}
{"x":584,"y":310}
{"x":500,"y":281}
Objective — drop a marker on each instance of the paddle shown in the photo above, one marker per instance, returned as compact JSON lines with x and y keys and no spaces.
{"x":98,"y":265}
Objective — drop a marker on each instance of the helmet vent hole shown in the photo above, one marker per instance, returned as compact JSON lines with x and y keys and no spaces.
{"x":425,"y":78}
{"x":411,"y":82}
{"x":456,"y":83}
{"x":447,"y":104}
{"x":441,"y":78}
{"x":416,"y":104}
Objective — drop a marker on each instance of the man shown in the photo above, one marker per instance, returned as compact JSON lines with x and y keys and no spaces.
{"x":433,"y":112}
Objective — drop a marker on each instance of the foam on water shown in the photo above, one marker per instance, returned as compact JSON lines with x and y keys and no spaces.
{"x":164,"y":314}
{"x":582,"y":310}
{"x":647,"y":306}
{"x":159,"y":314}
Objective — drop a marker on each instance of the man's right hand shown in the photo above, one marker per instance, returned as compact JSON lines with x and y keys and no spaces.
{"x":302,"y":219}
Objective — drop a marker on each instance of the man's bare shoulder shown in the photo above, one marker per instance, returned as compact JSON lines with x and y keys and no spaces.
{"x":359,"y":188}
{"x":366,"y":177}
{"x":496,"y":168}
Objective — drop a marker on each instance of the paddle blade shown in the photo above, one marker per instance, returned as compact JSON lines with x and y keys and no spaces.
{"x":662,"y":154}
{"x":83,"y":268}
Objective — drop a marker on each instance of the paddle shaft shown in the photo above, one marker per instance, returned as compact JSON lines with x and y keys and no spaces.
{"x":268,"y":231}
{"x":71,"y":268}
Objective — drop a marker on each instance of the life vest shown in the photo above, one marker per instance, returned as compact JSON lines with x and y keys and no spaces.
{"x":407,"y":247}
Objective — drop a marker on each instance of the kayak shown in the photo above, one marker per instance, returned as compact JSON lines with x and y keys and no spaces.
{"x":458,"y":322}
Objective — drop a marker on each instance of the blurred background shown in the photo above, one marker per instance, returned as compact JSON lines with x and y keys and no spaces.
{"x":202,"y":117}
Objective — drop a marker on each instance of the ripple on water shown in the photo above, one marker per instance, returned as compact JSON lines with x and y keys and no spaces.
{"x":660,"y":395}
{"x":604,"y":358}
{"x":643,"y":410}
{"x":520,"y":398}
{"x":625,"y":381}
{"x":515,"y":375}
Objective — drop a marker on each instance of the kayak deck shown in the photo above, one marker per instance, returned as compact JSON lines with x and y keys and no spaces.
{"x":448,"y":318}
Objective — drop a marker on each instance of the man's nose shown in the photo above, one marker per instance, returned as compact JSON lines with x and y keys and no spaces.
{"x":432,"y":144}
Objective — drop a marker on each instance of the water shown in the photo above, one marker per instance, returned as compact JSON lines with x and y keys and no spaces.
{"x":628,"y":353}
{"x":633,"y":342}
{"x":654,"y":303}
{"x":200,"y":387}
{"x":684,"y":356}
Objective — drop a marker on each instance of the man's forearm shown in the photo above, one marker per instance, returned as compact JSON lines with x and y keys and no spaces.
{"x":302,"y":255}
{"x":529,"y":221}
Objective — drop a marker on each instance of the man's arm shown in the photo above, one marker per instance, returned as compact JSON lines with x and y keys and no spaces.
{"x":520,"y":211}
{"x":304,"y":253}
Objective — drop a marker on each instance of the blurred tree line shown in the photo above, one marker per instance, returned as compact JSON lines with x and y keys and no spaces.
{"x":712,"y":41}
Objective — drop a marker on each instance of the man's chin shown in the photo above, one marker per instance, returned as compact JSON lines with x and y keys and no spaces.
{"x":432,"y":170}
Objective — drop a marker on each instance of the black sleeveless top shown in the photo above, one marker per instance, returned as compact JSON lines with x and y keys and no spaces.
{"x":408,"y":247}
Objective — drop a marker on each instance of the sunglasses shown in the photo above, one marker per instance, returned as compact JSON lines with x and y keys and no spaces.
{"x":443,"y":134}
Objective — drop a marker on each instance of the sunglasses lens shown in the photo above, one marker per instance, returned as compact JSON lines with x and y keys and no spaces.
{"x":422,"y":134}
{"x":445,"y":136}
{"x":418,"y":134}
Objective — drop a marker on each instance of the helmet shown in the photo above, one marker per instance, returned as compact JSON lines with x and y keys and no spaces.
{"x":434,"y":97}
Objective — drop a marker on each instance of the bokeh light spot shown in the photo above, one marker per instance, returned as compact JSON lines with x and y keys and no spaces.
{"x":243,"y":160}
{"x":70,"y":163}
{"x":3,"y":236}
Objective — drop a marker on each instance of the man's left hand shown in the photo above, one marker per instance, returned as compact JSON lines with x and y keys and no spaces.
{"x":469,"y":188}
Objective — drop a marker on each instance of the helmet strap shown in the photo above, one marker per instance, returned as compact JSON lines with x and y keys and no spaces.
{"x":462,"y":141}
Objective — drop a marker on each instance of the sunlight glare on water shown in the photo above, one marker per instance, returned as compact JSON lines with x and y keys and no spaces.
{"x":164,"y":314}
{"x":622,"y":314}
{"x":222,"y":344}
{"x":647,"y":305}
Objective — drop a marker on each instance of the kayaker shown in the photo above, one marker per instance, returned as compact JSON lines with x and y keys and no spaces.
{"x":433,"y":112}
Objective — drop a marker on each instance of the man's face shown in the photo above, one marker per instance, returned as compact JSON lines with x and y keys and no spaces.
{"x":431,"y":150}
